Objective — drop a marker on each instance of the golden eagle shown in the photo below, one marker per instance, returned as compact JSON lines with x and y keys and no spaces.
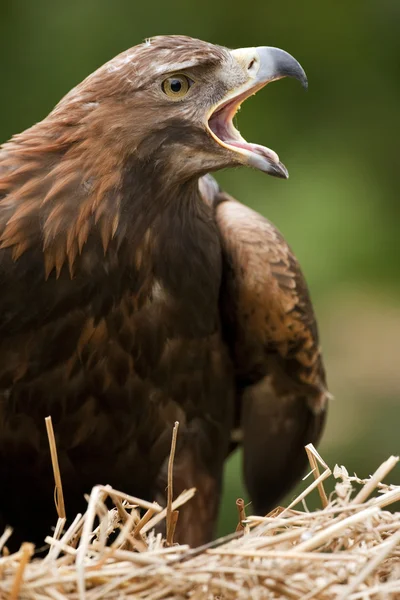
{"x":135,"y":292}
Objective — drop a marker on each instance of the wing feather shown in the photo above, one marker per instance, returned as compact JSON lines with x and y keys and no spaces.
{"x":270,"y":327}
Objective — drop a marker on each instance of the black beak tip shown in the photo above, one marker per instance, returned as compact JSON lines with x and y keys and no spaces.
{"x":279,"y":170}
{"x":290,"y":67}
{"x":297,"y":72}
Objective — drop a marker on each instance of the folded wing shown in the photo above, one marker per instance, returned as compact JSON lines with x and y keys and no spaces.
{"x":270,"y":327}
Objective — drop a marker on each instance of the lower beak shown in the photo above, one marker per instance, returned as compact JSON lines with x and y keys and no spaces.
{"x":262,"y":65}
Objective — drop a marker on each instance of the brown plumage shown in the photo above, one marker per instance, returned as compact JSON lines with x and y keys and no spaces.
{"x":135,"y":293}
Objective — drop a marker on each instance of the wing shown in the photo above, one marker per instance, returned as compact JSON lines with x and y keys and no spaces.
{"x":270,"y":327}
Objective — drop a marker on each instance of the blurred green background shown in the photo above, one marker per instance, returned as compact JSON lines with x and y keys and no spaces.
{"x":339,"y":210}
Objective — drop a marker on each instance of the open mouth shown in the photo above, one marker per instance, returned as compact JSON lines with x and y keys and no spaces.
{"x":222,"y":129}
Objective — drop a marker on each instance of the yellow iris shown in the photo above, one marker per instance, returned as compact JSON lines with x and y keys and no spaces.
{"x":176,"y":86}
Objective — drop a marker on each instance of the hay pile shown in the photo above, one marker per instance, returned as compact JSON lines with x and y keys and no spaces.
{"x":349,"y":549}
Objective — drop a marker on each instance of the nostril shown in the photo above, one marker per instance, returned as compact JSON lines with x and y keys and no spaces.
{"x":253,"y":66}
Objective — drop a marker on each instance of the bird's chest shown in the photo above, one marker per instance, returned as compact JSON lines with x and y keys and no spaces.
{"x":115,"y":374}
{"x":159,"y":357}
{"x":177,"y":282}
{"x":177,"y":349}
{"x":169,"y":328}
{"x":149,"y":340}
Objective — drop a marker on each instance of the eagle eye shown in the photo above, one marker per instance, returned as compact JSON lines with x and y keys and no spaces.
{"x":176,"y":86}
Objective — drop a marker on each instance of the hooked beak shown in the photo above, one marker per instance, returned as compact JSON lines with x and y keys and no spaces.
{"x":262,"y":65}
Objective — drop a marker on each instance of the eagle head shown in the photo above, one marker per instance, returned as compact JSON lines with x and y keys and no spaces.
{"x":170,"y":101}
{"x":134,"y":135}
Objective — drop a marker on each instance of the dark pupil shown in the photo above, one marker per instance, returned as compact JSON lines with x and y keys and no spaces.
{"x":176,"y":85}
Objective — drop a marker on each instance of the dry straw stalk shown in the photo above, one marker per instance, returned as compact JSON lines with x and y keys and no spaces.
{"x":347,"y":550}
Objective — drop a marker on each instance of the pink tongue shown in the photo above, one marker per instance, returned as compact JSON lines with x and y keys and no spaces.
{"x":262,"y":150}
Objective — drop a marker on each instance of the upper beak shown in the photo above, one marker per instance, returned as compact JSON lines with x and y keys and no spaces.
{"x":261,"y":65}
{"x":274,"y":63}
